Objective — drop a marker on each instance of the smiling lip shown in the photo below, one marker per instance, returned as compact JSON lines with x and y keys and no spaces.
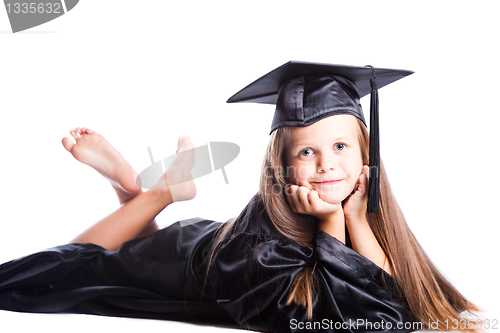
{"x":329,"y":182}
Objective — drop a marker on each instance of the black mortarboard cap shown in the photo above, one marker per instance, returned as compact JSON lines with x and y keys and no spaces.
{"x":307,"y":92}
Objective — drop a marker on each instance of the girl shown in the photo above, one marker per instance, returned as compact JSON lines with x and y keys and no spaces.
{"x":303,"y":255}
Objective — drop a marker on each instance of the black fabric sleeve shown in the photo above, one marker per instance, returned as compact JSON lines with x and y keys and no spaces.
{"x":356,"y":290}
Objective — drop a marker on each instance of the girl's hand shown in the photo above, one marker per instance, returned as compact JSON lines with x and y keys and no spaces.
{"x":303,"y":200}
{"x":355,"y":207}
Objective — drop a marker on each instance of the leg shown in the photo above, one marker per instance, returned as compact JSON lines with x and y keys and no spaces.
{"x":94,"y":150}
{"x":128,"y":221}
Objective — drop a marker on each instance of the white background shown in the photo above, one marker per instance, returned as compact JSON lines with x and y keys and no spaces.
{"x":144,"y":72}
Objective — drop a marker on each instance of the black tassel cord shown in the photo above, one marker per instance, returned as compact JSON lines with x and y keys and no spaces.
{"x":374,"y":183}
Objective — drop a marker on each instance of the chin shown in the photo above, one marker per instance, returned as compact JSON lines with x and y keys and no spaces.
{"x":335,"y":196}
{"x":332,"y":198}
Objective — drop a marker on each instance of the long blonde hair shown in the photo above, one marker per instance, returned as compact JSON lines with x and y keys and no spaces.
{"x":430,"y":297}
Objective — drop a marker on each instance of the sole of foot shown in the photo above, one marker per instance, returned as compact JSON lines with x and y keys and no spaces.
{"x":94,"y":150}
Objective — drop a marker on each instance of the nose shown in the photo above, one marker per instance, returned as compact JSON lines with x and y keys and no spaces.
{"x":326,"y":162}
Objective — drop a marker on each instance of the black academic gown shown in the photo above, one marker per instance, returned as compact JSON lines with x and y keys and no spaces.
{"x":161,"y":276}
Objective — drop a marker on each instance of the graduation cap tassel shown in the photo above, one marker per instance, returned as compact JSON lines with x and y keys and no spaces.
{"x":374,"y":183}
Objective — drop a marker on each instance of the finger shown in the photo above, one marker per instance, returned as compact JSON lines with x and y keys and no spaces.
{"x":290,"y":190}
{"x":288,"y":193}
{"x":291,"y":196}
{"x":366,"y":171}
{"x":363,"y":184}
{"x":302,"y":195}
{"x":297,"y":199}
{"x":356,"y":186}
{"x":314,"y":199}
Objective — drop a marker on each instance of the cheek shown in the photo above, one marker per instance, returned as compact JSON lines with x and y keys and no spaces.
{"x":353,"y":168}
{"x":300,"y":173}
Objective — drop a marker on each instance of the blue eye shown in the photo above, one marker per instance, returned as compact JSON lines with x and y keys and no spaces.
{"x":306,"y":152}
{"x":340,"y":146}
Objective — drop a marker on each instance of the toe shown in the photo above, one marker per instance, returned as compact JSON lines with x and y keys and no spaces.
{"x":68,"y":145}
{"x":184,"y":142}
{"x":78,"y":130}
{"x":73,"y":134}
{"x":179,"y":143}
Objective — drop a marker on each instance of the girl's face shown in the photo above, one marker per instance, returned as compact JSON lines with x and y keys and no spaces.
{"x":326,"y":157}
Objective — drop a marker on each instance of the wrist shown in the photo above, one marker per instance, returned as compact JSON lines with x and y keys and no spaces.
{"x":332,"y":218}
{"x":334,"y":225}
{"x":355,"y":219}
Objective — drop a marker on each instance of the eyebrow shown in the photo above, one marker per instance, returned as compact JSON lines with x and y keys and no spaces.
{"x":307,"y":143}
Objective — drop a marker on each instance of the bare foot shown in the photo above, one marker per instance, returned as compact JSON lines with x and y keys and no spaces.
{"x":93,"y":149}
{"x":178,"y":176}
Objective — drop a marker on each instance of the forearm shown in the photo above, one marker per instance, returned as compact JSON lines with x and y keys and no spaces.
{"x":364,"y":242}
{"x":333,"y":225}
